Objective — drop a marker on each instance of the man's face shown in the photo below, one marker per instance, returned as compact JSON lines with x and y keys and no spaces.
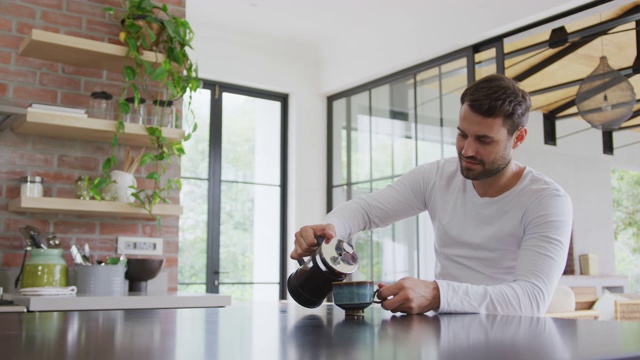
{"x":483,"y":144}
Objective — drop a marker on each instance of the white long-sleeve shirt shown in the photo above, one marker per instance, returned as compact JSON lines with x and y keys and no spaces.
{"x":501,"y":255}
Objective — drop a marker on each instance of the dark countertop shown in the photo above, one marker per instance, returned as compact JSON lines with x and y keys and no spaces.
{"x":288,"y":331}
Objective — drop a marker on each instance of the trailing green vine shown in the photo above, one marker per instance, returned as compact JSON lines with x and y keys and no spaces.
{"x":169,"y":77}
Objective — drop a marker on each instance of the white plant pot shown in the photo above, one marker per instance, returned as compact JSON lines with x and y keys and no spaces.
{"x":124,"y":180}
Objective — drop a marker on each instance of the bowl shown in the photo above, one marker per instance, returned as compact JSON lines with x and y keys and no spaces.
{"x":141,"y":270}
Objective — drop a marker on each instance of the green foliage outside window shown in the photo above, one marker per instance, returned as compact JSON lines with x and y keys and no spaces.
{"x":625,"y":186}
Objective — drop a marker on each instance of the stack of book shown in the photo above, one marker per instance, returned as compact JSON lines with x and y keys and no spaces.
{"x":67,"y":110}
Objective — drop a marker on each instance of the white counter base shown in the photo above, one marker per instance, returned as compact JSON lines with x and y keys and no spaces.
{"x":131,"y":301}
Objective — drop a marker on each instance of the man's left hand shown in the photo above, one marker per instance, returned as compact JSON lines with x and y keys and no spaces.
{"x":410,"y":295}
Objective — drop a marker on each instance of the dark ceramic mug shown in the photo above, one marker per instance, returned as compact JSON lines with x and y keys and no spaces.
{"x":354,"y":296}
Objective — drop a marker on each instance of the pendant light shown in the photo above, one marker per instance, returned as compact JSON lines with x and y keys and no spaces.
{"x":605,"y":98}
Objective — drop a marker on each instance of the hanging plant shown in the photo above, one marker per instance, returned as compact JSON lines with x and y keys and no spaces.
{"x":147,"y":26}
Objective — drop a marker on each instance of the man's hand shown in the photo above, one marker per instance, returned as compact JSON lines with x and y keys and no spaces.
{"x":410,"y":295}
{"x":306,"y":243}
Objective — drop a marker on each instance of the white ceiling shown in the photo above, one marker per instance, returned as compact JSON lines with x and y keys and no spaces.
{"x":354,"y":41}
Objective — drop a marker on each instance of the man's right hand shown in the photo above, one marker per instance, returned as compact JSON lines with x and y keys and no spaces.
{"x":306,"y":243}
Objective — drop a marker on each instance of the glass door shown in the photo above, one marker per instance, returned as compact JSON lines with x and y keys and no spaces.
{"x":245,"y":209}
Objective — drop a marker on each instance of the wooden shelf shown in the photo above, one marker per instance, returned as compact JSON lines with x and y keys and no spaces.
{"x":70,"y":50}
{"x":60,"y":125}
{"x":89,"y":207}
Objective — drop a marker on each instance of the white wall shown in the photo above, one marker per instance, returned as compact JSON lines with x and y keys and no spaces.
{"x":579,"y":166}
{"x":272,"y":66}
{"x":409,"y":32}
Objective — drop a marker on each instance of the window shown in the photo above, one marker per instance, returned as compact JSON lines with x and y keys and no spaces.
{"x":380,"y":131}
{"x":625,"y":185}
{"x":232,"y":231}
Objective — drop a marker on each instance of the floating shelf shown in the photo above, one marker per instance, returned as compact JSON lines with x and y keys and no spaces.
{"x":71,"y":50}
{"x":89,"y":207}
{"x":60,"y":125}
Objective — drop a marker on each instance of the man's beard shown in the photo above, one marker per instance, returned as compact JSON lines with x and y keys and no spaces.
{"x":486,"y":170}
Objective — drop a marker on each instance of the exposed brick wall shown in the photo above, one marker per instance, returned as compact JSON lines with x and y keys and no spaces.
{"x":60,"y":162}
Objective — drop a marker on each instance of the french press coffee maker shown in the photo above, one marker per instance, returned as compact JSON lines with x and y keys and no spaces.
{"x":332,"y":261}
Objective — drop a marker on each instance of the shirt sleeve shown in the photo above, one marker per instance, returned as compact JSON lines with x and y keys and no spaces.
{"x":405,"y":197}
{"x":540,"y":263}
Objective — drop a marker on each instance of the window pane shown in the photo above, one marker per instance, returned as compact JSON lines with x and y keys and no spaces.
{"x":362,"y":243}
{"x":339,"y":195}
{"x":625,"y":185}
{"x":196,"y":161}
{"x":382,"y":261}
{"x":249,"y":233}
{"x":429,"y":116}
{"x":404,"y":248}
{"x":360,"y":137}
{"x":357,"y":190}
{"x":250,"y":139}
{"x":194,"y":289}
{"x":454,"y":81}
{"x":339,"y":115}
{"x":192,"y":255}
{"x":392,"y":123}
{"x":485,"y":63}
{"x":382,"y":134}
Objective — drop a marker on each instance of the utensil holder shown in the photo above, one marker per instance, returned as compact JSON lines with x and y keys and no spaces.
{"x":101,"y":280}
{"x":124,"y":180}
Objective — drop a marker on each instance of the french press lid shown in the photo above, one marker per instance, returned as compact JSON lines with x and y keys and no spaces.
{"x":339,"y":255}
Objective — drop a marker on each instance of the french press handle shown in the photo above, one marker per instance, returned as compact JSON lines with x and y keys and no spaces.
{"x":320,"y":240}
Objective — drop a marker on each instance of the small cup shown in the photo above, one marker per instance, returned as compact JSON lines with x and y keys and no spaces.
{"x":354,"y":296}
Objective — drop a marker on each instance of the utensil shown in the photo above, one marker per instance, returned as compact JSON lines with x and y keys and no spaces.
{"x":87,"y":253}
{"x":28,"y":243}
{"x":77,"y":256}
{"x":332,"y":261}
{"x":32,"y":234}
{"x":131,"y":163}
{"x":50,"y":239}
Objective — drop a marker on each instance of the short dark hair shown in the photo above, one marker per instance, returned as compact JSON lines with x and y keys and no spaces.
{"x":499,"y":96}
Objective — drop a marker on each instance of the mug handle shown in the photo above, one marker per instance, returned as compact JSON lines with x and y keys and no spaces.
{"x":320,"y":240}
{"x":374,"y":297}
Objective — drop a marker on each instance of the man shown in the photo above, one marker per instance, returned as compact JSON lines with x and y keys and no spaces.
{"x":502,"y":229}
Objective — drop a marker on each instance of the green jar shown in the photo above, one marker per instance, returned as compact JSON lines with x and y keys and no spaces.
{"x":44,"y":267}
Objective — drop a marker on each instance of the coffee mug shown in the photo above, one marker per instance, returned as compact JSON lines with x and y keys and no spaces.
{"x":354,"y":296}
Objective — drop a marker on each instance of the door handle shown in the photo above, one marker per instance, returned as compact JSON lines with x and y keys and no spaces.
{"x":217,"y":273}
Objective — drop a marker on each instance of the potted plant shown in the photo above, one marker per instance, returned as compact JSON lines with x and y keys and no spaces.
{"x":168,"y":79}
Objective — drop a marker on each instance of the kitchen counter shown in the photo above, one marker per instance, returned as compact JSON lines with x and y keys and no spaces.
{"x":131,"y":301}
{"x":288,"y":331}
{"x":12,"y":308}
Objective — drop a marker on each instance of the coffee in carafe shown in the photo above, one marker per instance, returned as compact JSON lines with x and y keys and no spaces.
{"x":332,"y":261}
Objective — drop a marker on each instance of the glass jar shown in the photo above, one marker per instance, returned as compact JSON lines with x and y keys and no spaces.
{"x":81,"y":188}
{"x":164,"y":113}
{"x":31,"y":186}
{"x":101,"y":105}
{"x":109,"y":192}
{"x":44,"y":267}
{"x":136,"y":114}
